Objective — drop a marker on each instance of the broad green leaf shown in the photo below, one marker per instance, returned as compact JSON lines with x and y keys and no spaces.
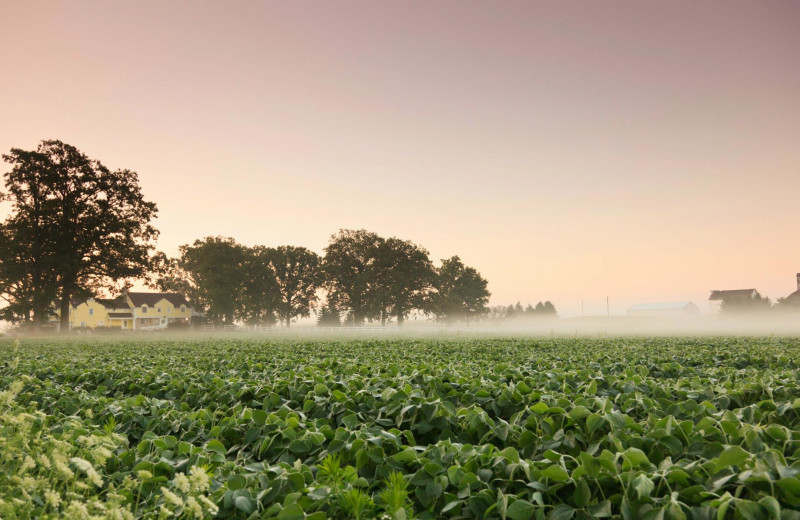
{"x":601,"y":510}
{"x":633,"y":458}
{"x":520,"y":510}
{"x":582,"y":493}
{"x":561,"y":512}
{"x":216,"y":446}
{"x":642,"y":485}
{"x":556,"y":472}
{"x":732,"y":456}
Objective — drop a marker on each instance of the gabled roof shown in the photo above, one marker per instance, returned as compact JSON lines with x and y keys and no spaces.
{"x":150,"y":299}
{"x":735,"y":293}
{"x":661,"y":306}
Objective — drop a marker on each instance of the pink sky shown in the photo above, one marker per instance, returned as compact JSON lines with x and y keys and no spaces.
{"x":649,"y":151}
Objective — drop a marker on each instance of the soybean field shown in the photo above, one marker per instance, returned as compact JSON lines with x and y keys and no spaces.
{"x":652,"y":428}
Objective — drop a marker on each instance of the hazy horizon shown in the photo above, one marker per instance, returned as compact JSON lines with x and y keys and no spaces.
{"x":645,"y":151}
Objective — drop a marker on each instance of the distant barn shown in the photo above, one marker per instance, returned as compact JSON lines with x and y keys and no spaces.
{"x":664,"y":309}
{"x":793,"y":300}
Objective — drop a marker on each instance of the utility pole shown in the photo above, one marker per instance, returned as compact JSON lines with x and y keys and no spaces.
{"x":608,"y":309}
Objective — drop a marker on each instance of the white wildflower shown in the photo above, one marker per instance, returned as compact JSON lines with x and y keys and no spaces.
{"x":171,"y":497}
{"x":182,"y":483}
{"x":198,"y":478}
{"x":27,"y":464}
{"x":91,"y":473}
{"x":211,"y":507}
{"x":101,"y":454}
{"x":63,"y":470}
{"x":44,"y":461}
{"x":52,"y":498}
{"x":143,"y":474}
{"x":76,"y":511}
{"x":194,"y":508}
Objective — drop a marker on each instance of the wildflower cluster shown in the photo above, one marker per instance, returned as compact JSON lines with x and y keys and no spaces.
{"x":54,"y":468}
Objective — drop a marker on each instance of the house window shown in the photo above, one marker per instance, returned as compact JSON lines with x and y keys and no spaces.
{"x":159,"y":310}
{"x":169,"y":310}
{"x":144,"y":309}
{"x":183,"y":309}
{"x":91,"y":311}
{"x":83,"y":324}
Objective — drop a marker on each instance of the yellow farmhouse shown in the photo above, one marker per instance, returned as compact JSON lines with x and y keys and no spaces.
{"x":131,"y":311}
{"x":157,"y":310}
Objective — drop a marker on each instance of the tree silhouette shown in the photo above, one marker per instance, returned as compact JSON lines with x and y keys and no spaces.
{"x":77,"y":227}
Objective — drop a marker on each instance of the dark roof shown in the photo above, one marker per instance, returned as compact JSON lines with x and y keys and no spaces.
{"x":150,"y":299}
{"x":113,"y":303}
{"x":120,"y":315}
{"x":736,"y":293}
{"x":108,"y":303}
{"x":794,"y":297}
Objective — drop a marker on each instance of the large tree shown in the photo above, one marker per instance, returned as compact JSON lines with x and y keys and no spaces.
{"x":260,"y":288}
{"x":86,"y":226}
{"x":461,"y":292}
{"x":212,"y":272}
{"x":402,"y":276}
{"x":297,"y":273}
{"x":349,"y":267}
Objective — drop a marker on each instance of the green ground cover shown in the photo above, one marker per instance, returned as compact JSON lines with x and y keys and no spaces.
{"x":562,"y":428}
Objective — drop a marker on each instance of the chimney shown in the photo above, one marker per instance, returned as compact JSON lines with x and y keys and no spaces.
{"x":798,"y":281}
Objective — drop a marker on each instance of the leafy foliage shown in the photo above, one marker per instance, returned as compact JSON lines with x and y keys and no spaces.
{"x":581,"y":428}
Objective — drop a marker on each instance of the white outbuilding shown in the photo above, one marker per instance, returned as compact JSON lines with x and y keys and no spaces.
{"x":664,"y":309}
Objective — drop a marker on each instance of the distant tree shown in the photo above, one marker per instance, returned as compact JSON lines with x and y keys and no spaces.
{"x":402,"y":276}
{"x":529,"y":309}
{"x":549,"y":308}
{"x":298,"y":276}
{"x":260,"y":291}
{"x":741,"y":304}
{"x":349,"y":267}
{"x":511,"y":312}
{"x":461,"y":292}
{"x":328,"y":316}
{"x":497,"y":312}
{"x":77,"y":226}
{"x":213,"y":273}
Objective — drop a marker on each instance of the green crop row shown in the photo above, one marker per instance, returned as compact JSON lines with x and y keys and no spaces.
{"x":672,"y":428}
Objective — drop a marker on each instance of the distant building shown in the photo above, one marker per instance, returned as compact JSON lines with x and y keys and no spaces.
{"x":664,"y":309}
{"x":731,"y":296}
{"x":793,"y":300}
{"x":130,"y":311}
{"x":157,"y":310}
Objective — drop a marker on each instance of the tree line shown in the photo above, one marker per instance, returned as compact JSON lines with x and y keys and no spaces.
{"x":364,"y":278}
{"x":77,"y":228}
{"x":517,"y":312}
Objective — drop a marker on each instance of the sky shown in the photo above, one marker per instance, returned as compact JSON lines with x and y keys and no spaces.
{"x":569,"y":151}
